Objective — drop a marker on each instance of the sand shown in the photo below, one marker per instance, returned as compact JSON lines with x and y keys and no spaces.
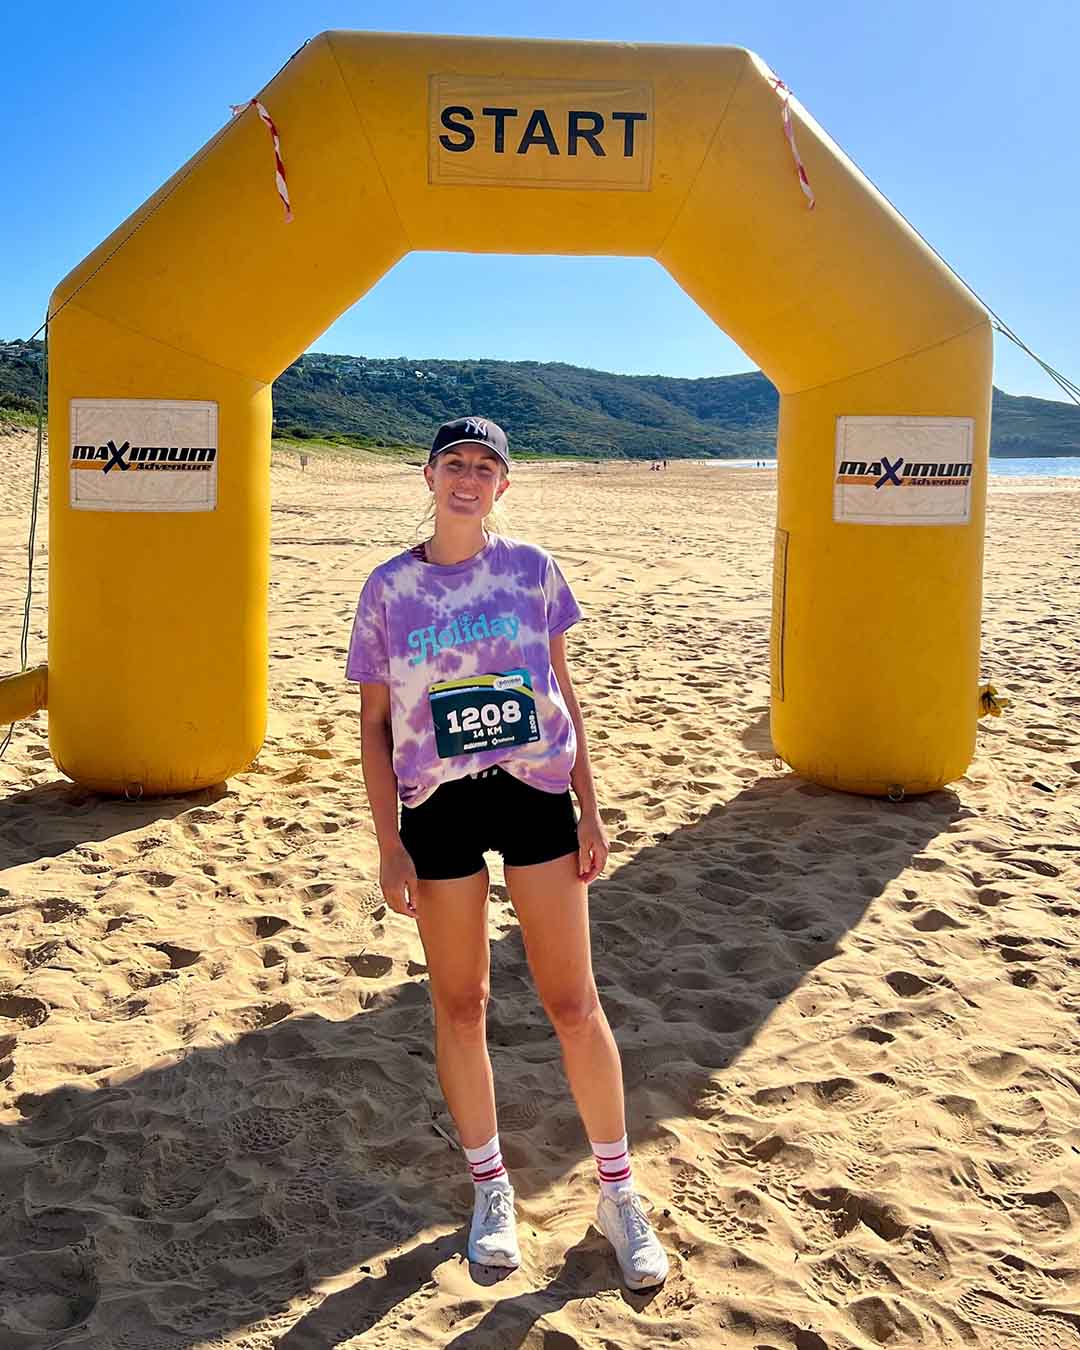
{"x":849,"y":1028}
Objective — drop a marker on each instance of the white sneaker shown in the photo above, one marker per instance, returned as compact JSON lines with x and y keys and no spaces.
{"x":493,"y":1235}
{"x":626,"y":1226}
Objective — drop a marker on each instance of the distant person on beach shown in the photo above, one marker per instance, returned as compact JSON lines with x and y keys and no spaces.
{"x":469,"y":716}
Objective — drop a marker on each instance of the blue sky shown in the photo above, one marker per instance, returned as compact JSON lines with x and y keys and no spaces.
{"x":962,"y":113}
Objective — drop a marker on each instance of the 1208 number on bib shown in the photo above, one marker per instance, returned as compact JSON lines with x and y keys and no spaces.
{"x":486,"y":712}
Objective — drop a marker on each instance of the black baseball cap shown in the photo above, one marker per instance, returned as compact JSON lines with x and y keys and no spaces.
{"x":471,"y":431}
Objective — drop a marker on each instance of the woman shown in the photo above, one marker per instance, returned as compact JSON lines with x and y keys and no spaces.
{"x":470,"y":717}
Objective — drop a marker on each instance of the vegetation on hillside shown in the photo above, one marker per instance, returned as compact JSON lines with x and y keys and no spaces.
{"x":547,"y":408}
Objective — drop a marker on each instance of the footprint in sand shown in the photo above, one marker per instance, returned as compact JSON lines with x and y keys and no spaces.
{"x":51,"y":1293}
{"x":259,"y":1016}
{"x":121,"y":920}
{"x":1004,"y":1324}
{"x":874,"y":1034}
{"x":998,"y":1068}
{"x":268,"y":926}
{"x":1040,"y":1216}
{"x":57,"y":911}
{"x":229,"y":1239}
{"x":370,"y":965}
{"x":157,"y":879}
{"x":200,"y":815}
{"x":885,"y":1320}
{"x":24,"y":1012}
{"x":70,"y":1172}
{"x":907,"y":985}
{"x":798,"y":918}
{"x":179,"y":957}
{"x":992,"y":896}
{"x":33,"y":957}
{"x":261,"y":1129}
{"x":522,"y":1116}
{"x":657,"y":883}
{"x":734,"y":1215}
{"x":847,"y":1209}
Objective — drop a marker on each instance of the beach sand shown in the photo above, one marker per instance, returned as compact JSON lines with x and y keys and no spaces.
{"x":849,"y":1028}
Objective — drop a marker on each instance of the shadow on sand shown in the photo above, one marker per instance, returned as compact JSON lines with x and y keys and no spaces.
{"x":201,"y":1196}
{"x":45,"y":821}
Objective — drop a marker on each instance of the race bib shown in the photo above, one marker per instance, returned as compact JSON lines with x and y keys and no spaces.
{"x":485,"y":712}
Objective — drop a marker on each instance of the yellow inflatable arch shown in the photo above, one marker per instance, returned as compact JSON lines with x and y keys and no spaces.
{"x":166,"y":339}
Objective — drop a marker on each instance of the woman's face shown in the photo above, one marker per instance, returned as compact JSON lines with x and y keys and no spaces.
{"x":467,"y":481}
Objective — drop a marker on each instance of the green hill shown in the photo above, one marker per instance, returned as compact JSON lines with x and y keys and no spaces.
{"x":548,"y":408}
{"x":545,"y":408}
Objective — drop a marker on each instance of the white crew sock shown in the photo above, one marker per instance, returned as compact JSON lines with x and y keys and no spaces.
{"x":613,"y":1167}
{"x":486,"y":1164}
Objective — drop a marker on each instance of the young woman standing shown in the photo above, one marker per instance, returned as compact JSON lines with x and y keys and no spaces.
{"x":469,"y":717}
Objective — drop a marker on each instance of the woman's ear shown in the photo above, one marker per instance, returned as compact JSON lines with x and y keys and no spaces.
{"x":503,"y":486}
{"x":428,"y":476}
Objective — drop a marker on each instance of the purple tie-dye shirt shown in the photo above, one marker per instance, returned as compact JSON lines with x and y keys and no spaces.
{"x":419,"y":623}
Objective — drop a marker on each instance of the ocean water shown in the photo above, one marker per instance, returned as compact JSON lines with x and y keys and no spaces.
{"x":1063,"y":466}
{"x":1035,"y":466}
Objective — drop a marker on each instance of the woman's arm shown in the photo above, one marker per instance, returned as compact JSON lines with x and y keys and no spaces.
{"x":397,"y":876}
{"x":376,"y":758}
{"x":591,"y":833}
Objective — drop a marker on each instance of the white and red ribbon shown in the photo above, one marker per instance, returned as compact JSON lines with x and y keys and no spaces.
{"x":279,"y":166}
{"x":789,"y":131}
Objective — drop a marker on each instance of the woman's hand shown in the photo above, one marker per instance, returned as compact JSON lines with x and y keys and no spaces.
{"x":397,"y":877}
{"x":593,"y":847}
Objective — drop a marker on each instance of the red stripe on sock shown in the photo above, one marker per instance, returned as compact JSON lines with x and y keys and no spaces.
{"x":486,"y":1176}
{"x":615,"y":1176}
{"x":610,"y":1157}
{"x":481,"y":1161}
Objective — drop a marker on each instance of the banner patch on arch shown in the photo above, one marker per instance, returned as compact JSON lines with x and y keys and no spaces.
{"x":136,"y":454}
{"x":492,"y":132}
{"x":903,"y":470}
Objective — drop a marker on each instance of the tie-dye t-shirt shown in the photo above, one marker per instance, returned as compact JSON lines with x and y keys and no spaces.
{"x":419,"y":623}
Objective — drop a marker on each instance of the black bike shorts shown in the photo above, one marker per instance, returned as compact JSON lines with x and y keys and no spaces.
{"x":447,"y":835}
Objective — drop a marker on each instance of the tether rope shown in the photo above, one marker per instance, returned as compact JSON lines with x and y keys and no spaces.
{"x":1062,"y":381}
{"x":24,"y":642}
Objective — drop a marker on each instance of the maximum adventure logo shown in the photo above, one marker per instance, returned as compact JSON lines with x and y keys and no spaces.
{"x":903,"y":470}
{"x":110,"y":457}
{"x":143,"y":454}
{"x":882,"y":473}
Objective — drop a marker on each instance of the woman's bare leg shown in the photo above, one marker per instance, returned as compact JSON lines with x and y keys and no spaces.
{"x":552,"y":906}
{"x":453,"y":920}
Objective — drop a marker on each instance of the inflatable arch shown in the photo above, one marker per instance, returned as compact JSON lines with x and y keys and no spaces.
{"x":169,"y":335}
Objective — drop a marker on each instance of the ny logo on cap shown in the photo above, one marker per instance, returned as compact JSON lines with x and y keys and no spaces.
{"x":476,"y":426}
